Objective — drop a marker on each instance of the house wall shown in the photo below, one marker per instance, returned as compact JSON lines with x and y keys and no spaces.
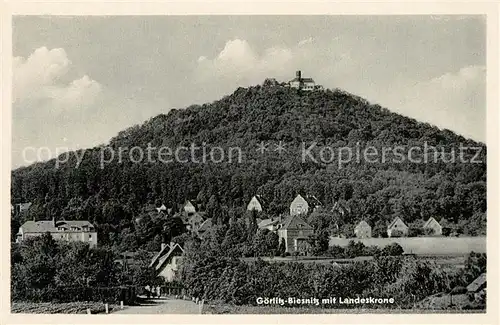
{"x":86,"y":237}
{"x":290,"y":235}
{"x":170,"y":270}
{"x":299,"y":206}
{"x":254,"y":205}
{"x":363,"y":232}
{"x":399,"y":226}
{"x":436,"y":228}
{"x":308,"y":86}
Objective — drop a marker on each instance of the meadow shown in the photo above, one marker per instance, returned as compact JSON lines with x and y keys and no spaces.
{"x":424,"y":245}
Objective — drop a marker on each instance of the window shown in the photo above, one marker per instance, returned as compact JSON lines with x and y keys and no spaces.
{"x":90,"y":237}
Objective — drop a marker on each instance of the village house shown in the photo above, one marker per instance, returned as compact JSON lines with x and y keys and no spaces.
{"x":477,"y":288}
{"x":271,"y":224}
{"x":301,"y":205}
{"x":300,"y":83}
{"x":69,"y":230}
{"x":295,"y":231}
{"x":193,"y":221}
{"x":397,"y":228}
{"x":363,"y":230}
{"x":204,"y":227}
{"x":256,"y":203}
{"x":162,"y":208}
{"x":189,"y":207}
{"x":434,"y":227}
{"x":20,"y":207}
{"x":168,"y":261}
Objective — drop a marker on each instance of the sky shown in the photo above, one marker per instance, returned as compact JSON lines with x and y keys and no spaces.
{"x":78,"y":81}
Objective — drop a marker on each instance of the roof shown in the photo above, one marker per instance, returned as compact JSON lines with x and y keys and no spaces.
{"x":261,"y":200}
{"x":268,"y":222}
{"x":293,"y":222}
{"x":302,"y":80}
{"x":312,"y":201}
{"x":429,"y":222}
{"x":24,"y":206}
{"x":207,"y":224}
{"x":162,"y":208}
{"x":394,"y":222}
{"x":478,"y":283}
{"x":176,"y":248}
{"x":187,"y":218}
{"x":48,"y":225}
{"x":163,"y":250}
{"x":189,"y":207}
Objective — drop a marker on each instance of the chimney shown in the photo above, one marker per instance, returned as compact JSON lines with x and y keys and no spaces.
{"x":163,"y":245}
{"x":298,"y":74}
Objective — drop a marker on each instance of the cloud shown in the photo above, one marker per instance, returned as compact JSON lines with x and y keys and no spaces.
{"x":43,"y":76}
{"x":454,"y":100}
{"x":55,"y":109}
{"x":239,"y":63}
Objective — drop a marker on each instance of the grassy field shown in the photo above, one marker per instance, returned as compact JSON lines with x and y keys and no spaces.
{"x":60,"y":308}
{"x":424,"y":245}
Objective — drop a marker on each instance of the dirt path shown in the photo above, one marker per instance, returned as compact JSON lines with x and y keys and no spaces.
{"x":163,"y":306}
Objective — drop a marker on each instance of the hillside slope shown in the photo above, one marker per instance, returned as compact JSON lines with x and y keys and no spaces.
{"x":113,"y":196}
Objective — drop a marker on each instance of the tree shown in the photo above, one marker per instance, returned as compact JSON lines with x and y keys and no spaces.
{"x":282,"y":247}
{"x":393,"y":249}
{"x":214,"y":210}
{"x":272,"y":243}
{"x":475,"y":265}
{"x":252,"y":224}
{"x":172,"y":227}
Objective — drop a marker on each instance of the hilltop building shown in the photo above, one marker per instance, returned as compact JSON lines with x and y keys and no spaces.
{"x":434,"y":227}
{"x":363,"y":230}
{"x":397,"y":228}
{"x":69,"y":230}
{"x":300,"y":83}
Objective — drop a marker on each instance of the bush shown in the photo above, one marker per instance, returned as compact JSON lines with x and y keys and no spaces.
{"x":393,"y":249}
{"x":397,"y":233}
{"x":414,"y":232}
{"x":336,"y":251}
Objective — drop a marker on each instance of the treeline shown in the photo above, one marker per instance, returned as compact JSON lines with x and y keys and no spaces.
{"x":113,"y":197}
{"x":211,"y":275}
{"x":45,"y":270}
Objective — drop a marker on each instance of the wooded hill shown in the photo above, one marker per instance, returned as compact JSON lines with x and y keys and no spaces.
{"x":114,"y":196}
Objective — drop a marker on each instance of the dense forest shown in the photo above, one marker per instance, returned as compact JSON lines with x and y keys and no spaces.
{"x":114,"y":195}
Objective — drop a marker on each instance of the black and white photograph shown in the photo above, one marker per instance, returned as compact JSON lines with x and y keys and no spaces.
{"x":248,"y":164}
